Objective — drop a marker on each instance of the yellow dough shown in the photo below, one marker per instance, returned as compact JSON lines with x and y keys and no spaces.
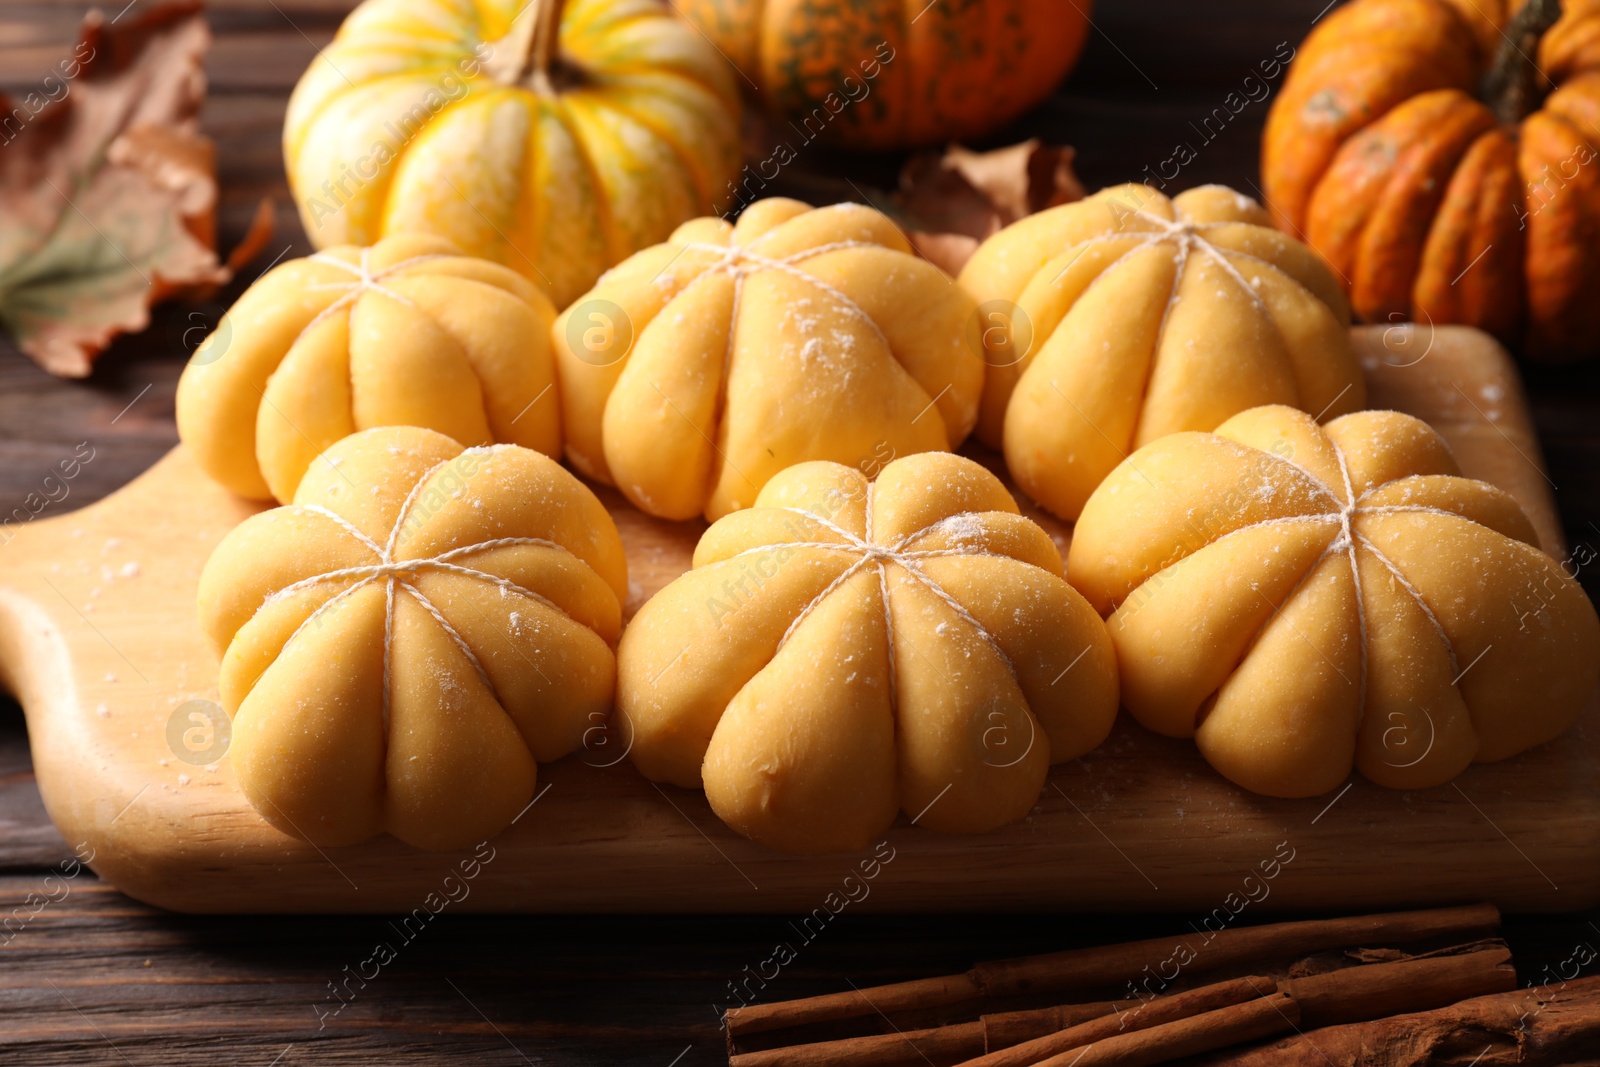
{"x":406,"y":640}
{"x":698,"y":369}
{"x":1303,"y":599}
{"x":408,"y":332}
{"x":1119,"y":319}
{"x":848,"y":650}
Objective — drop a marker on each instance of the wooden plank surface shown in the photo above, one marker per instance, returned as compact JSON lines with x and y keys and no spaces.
{"x":94,"y":978}
{"x":645,"y":983}
{"x":98,"y":635}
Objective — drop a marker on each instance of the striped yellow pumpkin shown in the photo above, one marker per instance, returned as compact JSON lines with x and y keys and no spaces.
{"x":555,"y":138}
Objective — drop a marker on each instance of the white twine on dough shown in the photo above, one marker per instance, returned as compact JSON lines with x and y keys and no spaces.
{"x":394,"y":574}
{"x":366,"y":280}
{"x":880,"y":556}
{"x":1186,"y":235}
{"x":740,"y":261}
{"x":1346,"y":542}
{"x":1348,"y":537}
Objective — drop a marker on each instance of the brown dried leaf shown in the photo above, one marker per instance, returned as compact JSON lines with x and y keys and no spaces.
{"x":108,"y":191}
{"x":956,"y":198}
{"x":947,"y":251}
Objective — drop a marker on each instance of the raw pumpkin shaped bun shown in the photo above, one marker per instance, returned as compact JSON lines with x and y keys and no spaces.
{"x":406,"y":333}
{"x":1303,"y":599}
{"x":844,"y":651}
{"x":797,"y":334}
{"x":554,"y":138}
{"x":1137,"y":316}
{"x":402,"y":644}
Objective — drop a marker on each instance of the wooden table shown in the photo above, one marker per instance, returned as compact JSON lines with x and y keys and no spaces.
{"x":88,"y":976}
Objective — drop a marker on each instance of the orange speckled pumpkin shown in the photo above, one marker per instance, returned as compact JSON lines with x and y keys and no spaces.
{"x":895,"y":73}
{"x":556,"y":137}
{"x":1436,"y":204}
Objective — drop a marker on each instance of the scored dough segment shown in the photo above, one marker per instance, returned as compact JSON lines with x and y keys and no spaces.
{"x":881,"y":556}
{"x":391,"y":570}
{"x":819,"y":718}
{"x":1216,"y":558}
{"x":366,"y":281}
{"x":374,"y":692}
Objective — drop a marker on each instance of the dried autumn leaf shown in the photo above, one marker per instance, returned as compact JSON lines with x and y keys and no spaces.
{"x":107,"y":189}
{"x":956,"y":198}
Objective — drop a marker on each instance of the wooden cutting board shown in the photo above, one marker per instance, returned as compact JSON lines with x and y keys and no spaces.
{"x":98,"y":639}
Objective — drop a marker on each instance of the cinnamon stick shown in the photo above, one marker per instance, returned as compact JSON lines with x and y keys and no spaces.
{"x":955,"y":1043}
{"x":1132,"y":1018}
{"x":1545,"y":1025}
{"x":1024,"y":1038}
{"x":1355,"y":993}
{"x":1250,"y":1021}
{"x":1348,"y":995}
{"x":1239,"y":946}
{"x":911,"y":1048}
{"x":1378,"y":989}
{"x":1004,"y":1029}
{"x":898,"y":996}
{"x":1110,"y":965}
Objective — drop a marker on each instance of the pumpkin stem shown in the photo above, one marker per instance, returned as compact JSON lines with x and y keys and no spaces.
{"x":547,"y":38}
{"x":1514,"y":85}
{"x":529,"y":52}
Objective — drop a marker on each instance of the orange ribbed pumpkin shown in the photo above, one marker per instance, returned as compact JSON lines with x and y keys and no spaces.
{"x":896,"y":73}
{"x":1434,"y":203}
